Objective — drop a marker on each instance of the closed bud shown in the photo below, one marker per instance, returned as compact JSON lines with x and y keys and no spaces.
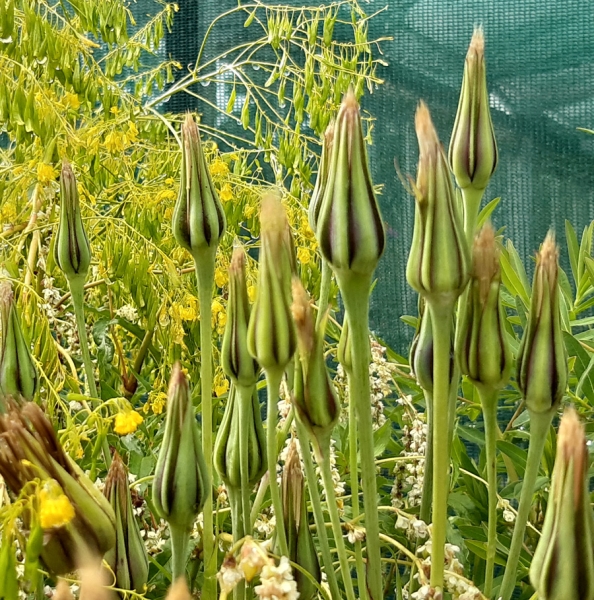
{"x":322,"y":179}
{"x":542,"y":359}
{"x":344,"y":352}
{"x":271,"y":331}
{"x":236,"y":360}
{"x":18,"y":375}
{"x":482,"y":349}
{"x":72,"y":251}
{"x":473,"y":151}
{"x":128,"y":558}
{"x":563,"y":563}
{"x":198,"y":219}
{"x":181,"y":481}
{"x":439,"y":263}
{"x":349,"y":228}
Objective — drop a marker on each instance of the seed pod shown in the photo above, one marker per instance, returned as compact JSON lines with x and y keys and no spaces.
{"x":322,"y":179}
{"x":473,"y":150}
{"x":349,"y":228}
{"x":439,"y":263}
{"x":128,"y":559}
{"x":198,"y":219}
{"x":181,"y":481}
{"x":482,"y":349}
{"x":72,"y":251}
{"x":563,"y":564}
{"x":542,"y":358}
{"x":18,"y":375}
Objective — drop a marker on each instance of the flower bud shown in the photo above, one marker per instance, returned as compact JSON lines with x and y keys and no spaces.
{"x":542,"y":359}
{"x":18,"y":375}
{"x":473,"y":151}
{"x":198,"y":219}
{"x":72,"y":251}
{"x":128,"y":559}
{"x":349,"y":228}
{"x":236,"y":360}
{"x":482,"y":349}
{"x":271,"y":331}
{"x":439,"y":263}
{"x":317,"y":195}
{"x":563,"y":563}
{"x":315,"y":398}
{"x":181,"y":481}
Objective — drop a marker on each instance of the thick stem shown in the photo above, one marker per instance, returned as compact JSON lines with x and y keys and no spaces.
{"x":316,"y":505}
{"x":273,"y":379}
{"x":324,"y":463}
{"x":180,"y":538}
{"x":441,"y":317}
{"x":425,"y":512}
{"x":324,"y":290}
{"x":489,"y":403}
{"x":204,"y":263}
{"x":539,"y":428}
{"x":235,"y":501}
{"x":245,"y":405}
{"x":355,"y":294}
{"x":472,"y":204}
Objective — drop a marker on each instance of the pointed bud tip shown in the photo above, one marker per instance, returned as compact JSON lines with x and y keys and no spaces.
{"x":329,"y":133}
{"x":6,"y":293}
{"x":302,"y":314}
{"x":237,"y":263}
{"x":179,"y":590}
{"x":273,"y":216}
{"x":485,"y":255}
{"x":178,"y":378}
{"x":548,"y":257}
{"x":477,"y":43}
{"x":426,"y":133}
{"x":571,"y":444}
{"x":349,"y":102}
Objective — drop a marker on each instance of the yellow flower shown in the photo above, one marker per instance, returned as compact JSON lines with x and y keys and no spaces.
{"x":114,"y":110}
{"x":248,"y":211}
{"x":189,"y":312}
{"x":221,"y":277}
{"x":127,"y":422}
{"x":71,"y":100}
{"x":156,"y":402}
{"x":165,"y":195}
{"x":221,"y":386}
{"x":55,"y":509}
{"x":218,"y":167}
{"x":251,"y":292}
{"x":132,"y":133}
{"x":303,"y":255}
{"x":169,"y":181}
{"x":226,"y":193}
{"x":114,"y":142}
{"x":46,"y":173}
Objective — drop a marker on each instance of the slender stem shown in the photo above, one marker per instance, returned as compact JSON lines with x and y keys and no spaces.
{"x":258,"y":500}
{"x":489,"y":403}
{"x":472,"y":204}
{"x":425,"y":512}
{"x":324,"y":463}
{"x":180,"y":537}
{"x":273,"y":379}
{"x":204,"y":263}
{"x":355,"y":293}
{"x":237,"y":523}
{"x":245,"y":409}
{"x":316,"y":504}
{"x":539,"y":427}
{"x":441,"y":321}
{"x":324,"y":290}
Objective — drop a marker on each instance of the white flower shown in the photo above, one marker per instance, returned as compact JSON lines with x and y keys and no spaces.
{"x":277,"y":582}
{"x":127,"y":312}
{"x":355,"y":533}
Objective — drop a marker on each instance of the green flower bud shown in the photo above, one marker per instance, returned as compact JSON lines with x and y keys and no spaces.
{"x":315,"y":398}
{"x":236,"y":360}
{"x":227,"y":460}
{"x":198,"y":219}
{"x":29,"y":450}
{"x":271,"y":331}
{"x":349,"y":228}
{"x":128,"y":559}
{"x":473,"y":151}
{"x":542,"y":359}
{"x":482,"y":349}
{"x":439,"y":263}
{"x":302,"y":550}
{"x":18,"y":375}
{"x":72,"y":251}
{"x":181,"y":481}
{"x":322,"y":179}
{"x":563,"y":564}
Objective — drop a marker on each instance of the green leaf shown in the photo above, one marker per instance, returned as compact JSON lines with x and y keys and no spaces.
{"x":585,"y":386}
{"x":486,"y":212}
{"x":381,"y":438}
{"x":574,"y":348}
{"x":104,"y":343}
{"x":573,"y":250}
{"x":513,"y":274}
{"x":517,"y":455}
{"x":471,"y":435}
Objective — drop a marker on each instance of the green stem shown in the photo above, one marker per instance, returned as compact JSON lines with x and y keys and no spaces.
{"x":324,"y":290}
{"x":539,"y":428}
{"x":316,"y":504}
{"x":355,"y":294}
{"x":441,"y":317}
{"x":245,"y":407}
{"x":273,"y":379}
{"x":180,"y":538}
{"x":425,"y":512}
{"x":489,"y":403}
{"x":324,"y":463}
{"x":204,"y":263}
{"x":258,"y":500}
{"x":472,"y":204}
{"x":235,"y":501}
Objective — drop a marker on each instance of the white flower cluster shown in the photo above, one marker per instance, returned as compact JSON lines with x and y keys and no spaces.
{"x":415,"y":529}
{"x":265,"y":523}
{"x":276,"y":582}
{"x":63,"y":325}
{"x":127,"y":312}
{"x":509,"y":516}
{"x":154,"y":539}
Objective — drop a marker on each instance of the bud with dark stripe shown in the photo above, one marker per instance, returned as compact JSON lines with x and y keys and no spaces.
{"x":322,"y":179}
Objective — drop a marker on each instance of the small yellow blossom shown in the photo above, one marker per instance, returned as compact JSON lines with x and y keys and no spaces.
{"x":248,"y":211}
{"x":127,"y":422}
{"x":226,"y":193}
{"x":168,"y":214}
{"x":132,"y":133}
{"x":221,"y":277}
{"x":55,"y":509}
{"x":114,"y":110}
{"x":114,"y":142}
{"x":169,"y":181}
{"x":189,"y":310}
{"x":156,"y":402}
{"x":251,"y":292}
{"x":218,"y":167}
{"x":46,"y":173}
{"x":165,"y":195}
{"x":303,"y":255}
{"x":71,"y":100}
{"x":221,"y":386}
{"x":221,"y":322}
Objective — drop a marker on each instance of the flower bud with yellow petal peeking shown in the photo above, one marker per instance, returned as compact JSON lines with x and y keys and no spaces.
{"x":439,"y":262}
{"x":271,"y":331}
{"x":198,"y":219}
{"x":72,"y":251}
{"x":482,"y":348}
{"x":563,"y":563}
{"x":542,"y":358}
{"x":317,"y":195}
{"x":473,"y":150}
{"x":349,"y":229}
{"x":18,"y":375}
